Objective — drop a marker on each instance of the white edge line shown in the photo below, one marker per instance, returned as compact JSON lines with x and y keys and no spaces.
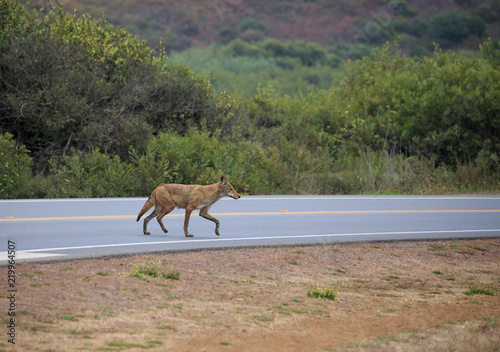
{"x":256,"y":238}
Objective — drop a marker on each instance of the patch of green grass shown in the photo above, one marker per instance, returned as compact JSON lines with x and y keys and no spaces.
{"x":101,"y":273}
{"x":322,"y":293}
{"x":476,"y":247}
{"x":480,"y":289}
{"x":36,"y":284}
{"x":121,"y":344}
{"x":435,"y":247}
{"x":391,"y":277}
{"x":437,"y":272}
{"x":67,"y":268}
{"x":262,"y":318}
{"x":172,"y":274}
{"x":293,"y":262}
{"x":69,"y":318}
{"x":225,"y":343}
{"x":152,"y":269}
{"x":319,"y":312}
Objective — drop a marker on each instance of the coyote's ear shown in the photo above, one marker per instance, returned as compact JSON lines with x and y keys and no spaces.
{"x":223,"y":180}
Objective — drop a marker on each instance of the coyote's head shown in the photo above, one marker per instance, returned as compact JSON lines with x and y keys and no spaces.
{"x":227,"y":189}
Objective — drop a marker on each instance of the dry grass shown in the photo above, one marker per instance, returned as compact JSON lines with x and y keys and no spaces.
{"x":480,"y":335}
{"x":400,"y":296}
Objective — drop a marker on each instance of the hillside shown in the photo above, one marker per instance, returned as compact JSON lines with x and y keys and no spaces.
{"x":202,"y":22}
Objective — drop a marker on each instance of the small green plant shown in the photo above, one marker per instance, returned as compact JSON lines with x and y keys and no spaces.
{"x":437,"y":272}
{"x":481,"y":289}
{"x":435,"y":247}
{"x":479,"y":248}
{"x":322,"y":292}
{"x":261,"y":318}
{"x":152,"y":269}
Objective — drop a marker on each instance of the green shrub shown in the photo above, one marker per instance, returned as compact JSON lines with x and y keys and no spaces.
{"x":251,"y":23}
{"x":70,"y":81}
{"x":198,"y":158}
{"x":450,"y":27}
{"x":322,"y":293}
{"x":91,"y":175}
{"x":154,"y":269}
{"x":15,"y":168}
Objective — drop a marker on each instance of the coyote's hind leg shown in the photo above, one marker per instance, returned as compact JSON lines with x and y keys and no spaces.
{"x":155,"y":212}
{"x":163,"y":213}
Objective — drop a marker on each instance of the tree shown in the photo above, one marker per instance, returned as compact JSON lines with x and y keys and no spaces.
{"x":450,"y":27}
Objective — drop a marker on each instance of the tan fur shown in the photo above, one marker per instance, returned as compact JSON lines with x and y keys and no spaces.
{"x":190,"y":197}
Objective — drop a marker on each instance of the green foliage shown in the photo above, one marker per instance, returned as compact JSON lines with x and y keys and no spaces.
{"x":416,"y":27}
{"x":101,"y":116}
{"x":70,"y":81}
{"x":15,"y":167}
{"x":198,"y":158}
{"x":443,"y":107}
{"x":241,"y":67}
{"x":91,"y":175}
{"x":482,"y":289}
{"x":450,"y":27}
{"x":322,"y":293}
{"x":154,"y":269}
{"x":251,"y":23}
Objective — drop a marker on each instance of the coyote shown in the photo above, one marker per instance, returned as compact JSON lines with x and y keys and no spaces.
{"x":190,"y":197}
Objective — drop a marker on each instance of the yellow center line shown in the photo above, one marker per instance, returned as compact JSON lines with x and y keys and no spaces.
{"x":282,"y":212}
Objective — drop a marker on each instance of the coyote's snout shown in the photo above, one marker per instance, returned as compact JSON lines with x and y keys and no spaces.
{"x":190,"y":197}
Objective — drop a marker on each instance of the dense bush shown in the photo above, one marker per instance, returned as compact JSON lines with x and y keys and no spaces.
{"x":453,"y":26}
{"x":15,"y":167}
{"x":242,"y":67}
{"x":199,"y":158}
{"x":444,"y":107}
{"x":69,"y":81}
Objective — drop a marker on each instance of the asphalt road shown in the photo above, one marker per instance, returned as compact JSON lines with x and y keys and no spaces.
{"x":44,"y":229}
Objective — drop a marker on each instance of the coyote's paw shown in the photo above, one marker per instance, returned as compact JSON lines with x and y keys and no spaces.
{"x":147,"y":233}
{"x":189,"y":235}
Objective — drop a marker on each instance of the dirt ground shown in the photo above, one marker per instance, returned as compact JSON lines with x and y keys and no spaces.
{"x":399,"y":296}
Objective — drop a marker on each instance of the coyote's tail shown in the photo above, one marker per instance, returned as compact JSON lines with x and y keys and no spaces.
{"x":149,"y":203}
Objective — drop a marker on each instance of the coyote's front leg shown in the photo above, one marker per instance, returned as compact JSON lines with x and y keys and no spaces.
{"x":189,"y":210}
{"x":204,"y":213}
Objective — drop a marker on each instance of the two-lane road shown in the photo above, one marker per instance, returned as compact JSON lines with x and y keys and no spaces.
{"x":75,"y":228}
